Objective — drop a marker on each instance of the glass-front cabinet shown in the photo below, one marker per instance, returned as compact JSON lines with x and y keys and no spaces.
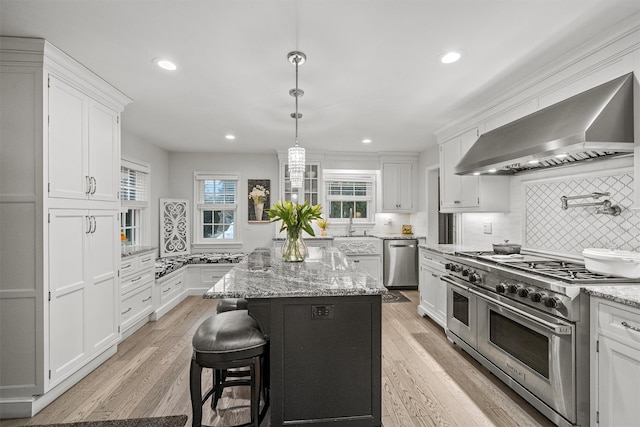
{"x":310,"y":190}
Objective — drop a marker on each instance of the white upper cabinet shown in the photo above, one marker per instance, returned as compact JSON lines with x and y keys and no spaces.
{"x":399,"y":185}
{"x":84,"y":145}
{"x":469,"y":193}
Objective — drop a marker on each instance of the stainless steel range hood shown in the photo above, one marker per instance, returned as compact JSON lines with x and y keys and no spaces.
{"x":591,"y":125}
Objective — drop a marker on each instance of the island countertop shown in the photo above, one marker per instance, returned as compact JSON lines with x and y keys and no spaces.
{"x":263,"y":274}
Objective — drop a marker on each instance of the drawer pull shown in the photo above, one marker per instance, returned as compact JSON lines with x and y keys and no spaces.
{"x":146,"y":260}
{"x":633,"y":328}
{"x":126,"y":267}
{"x":146,"y":299}
{"x":166,"y":290}
{"x":136,"y":279}
{"x":126,"y":311}
{"x":435,"y":275}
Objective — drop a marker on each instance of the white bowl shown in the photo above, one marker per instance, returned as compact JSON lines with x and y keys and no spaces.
{"x":612,"y":262}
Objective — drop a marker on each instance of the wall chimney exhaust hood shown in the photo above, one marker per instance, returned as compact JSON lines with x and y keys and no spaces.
{"x":594,"y":124}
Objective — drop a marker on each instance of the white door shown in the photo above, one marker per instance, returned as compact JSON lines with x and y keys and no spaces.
{"x":449,"y":182}
{"x":67,"y":284}
{"x":618,"y":383}
{"x":102,"y":294}
{"x":67,"y":134}
{"x":469,"y":184}
{"x":370,"y":264}
{"x":104,"y":154}
{"x":405,"y":183}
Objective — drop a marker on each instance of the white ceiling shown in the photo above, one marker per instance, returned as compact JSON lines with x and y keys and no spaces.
{"x":372,"y":66}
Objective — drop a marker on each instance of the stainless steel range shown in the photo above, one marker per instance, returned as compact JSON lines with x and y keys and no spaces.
{"x":524,"y":318}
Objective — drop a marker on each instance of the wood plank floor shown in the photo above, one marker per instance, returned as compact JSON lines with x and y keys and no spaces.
{"x":426,"y":380}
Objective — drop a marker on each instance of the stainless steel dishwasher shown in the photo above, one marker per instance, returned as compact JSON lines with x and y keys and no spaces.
{"x":400,"y":268}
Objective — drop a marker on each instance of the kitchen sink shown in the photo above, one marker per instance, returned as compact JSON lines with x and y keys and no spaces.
{"x":358,"y":245}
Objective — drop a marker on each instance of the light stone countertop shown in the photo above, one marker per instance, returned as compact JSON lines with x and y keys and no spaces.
{"x":450,"y":249}
{"x":263,"y":274}
{"x":623,"y":294}
{"x":128,"y":251}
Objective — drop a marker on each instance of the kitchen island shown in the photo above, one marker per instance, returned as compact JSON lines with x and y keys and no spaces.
{"x":323,"y":322}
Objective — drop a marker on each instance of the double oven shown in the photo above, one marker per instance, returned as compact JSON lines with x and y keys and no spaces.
{"x":524,"y":318}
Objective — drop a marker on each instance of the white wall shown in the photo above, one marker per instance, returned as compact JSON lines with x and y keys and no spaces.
{"x":248,"y":166}
{"x":134,"y":148}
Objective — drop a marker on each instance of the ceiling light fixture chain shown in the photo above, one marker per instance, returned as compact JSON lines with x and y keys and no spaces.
{"x":296,"y":157}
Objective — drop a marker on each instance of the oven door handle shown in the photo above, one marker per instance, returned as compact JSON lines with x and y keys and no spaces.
{"x":451,"y":282}
{"x":561,"y":329}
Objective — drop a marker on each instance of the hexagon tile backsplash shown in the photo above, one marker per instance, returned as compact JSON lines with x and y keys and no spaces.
{"x":549,"y":227}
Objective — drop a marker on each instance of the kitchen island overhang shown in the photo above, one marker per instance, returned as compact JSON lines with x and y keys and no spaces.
{"x":323,"y":320}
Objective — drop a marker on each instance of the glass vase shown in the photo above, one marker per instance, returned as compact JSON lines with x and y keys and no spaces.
{"x":294,"y":249}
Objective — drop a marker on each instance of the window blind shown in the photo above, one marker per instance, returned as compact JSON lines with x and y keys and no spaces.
{"x":134,"y":187}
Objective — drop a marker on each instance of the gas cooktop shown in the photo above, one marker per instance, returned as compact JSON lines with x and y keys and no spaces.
{"x":573,"y":272}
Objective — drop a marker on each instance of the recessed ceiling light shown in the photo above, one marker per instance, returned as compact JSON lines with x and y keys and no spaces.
{"x":534,"y":161}
{"x":366,"y":141}
{"x":562,"y":155}
{"x":230,"y":137}
{"x":450,"y":57}
{"x":165,"y":64}
{"x":476,"y":173}
{"x":492,"y":171}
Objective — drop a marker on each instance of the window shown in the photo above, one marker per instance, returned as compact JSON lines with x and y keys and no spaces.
{"x":350,"y":192}
{"x":134,"y":200}
{"x":216,"y":207}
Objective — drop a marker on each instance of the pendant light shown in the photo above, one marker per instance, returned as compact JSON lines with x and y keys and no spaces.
{"x":296,"y":158}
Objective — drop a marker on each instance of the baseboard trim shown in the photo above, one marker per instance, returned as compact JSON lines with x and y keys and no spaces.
{"x":30,"y":406}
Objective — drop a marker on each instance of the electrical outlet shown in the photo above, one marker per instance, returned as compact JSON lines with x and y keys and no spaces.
{"x":487,"y":228}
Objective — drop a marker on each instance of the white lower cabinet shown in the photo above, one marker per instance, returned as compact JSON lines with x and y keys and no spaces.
{"x":137,"y":278}
{"x":433,"y":291}
{"x":169,"y":291}
{"x":83,"y":273}
{"x":615,"y":364}
{"x":368,"y":263}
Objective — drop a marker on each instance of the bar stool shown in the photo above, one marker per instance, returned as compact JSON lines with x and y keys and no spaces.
{"x":225,"y":341}
{"x":230,"y":304}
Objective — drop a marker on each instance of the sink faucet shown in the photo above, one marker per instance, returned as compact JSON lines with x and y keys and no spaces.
{"x":350,"y":231}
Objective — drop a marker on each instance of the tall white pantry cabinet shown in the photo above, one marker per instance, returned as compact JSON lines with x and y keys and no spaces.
{"x":59,"y":230}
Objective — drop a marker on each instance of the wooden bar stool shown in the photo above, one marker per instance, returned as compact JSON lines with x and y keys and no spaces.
{"x":225,"y":341}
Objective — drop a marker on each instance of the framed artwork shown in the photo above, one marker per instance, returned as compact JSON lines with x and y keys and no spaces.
{"x":174,"y":227}
{"x":259,"y":199}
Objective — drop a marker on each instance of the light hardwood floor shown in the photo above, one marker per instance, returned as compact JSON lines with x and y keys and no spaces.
{"x":426,"y":380}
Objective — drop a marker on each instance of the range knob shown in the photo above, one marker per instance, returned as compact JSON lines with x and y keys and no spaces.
{"x":501,"y":288}
{"x":524,"y":292}
{"x":537,"y":296}
{"x":448,"y":266}
{"x":456,"y":268}
{"x":512,"y":288}
{"x":475,"y":278}
{"x":466,"y":272}
{"x":551,"y":302}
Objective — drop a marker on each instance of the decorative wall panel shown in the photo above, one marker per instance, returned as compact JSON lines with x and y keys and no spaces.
{"x":174,"y":227}
{"x":549,"y":227}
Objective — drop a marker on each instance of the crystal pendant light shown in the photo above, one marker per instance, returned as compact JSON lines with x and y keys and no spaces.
{"x":296,"y":158}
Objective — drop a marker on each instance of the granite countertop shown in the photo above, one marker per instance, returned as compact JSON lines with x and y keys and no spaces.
{"x":623,"y":294}
{"x":450,"y":248}
{"x":168,"y":265}
{"x":128,"y":251}
{"x":263,"y":274}
{"x":282,"y":239}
